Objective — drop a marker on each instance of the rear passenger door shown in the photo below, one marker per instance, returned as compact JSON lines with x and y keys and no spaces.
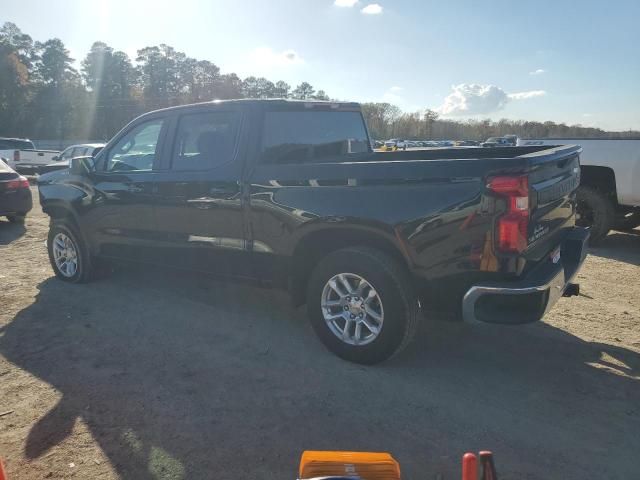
{"x":199,"y":207}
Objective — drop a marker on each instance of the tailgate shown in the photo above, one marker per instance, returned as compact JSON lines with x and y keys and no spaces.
{"x":553,"y":182}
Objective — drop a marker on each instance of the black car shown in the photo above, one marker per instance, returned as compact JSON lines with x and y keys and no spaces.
{"x":290,"y":194}
{"x":15,"y":194}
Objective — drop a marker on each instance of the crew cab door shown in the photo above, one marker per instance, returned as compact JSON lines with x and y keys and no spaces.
{"x":120,"y":217}
{"x":199,"y":206}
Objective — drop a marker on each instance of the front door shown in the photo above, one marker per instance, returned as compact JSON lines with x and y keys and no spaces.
{"x":120,"y":217}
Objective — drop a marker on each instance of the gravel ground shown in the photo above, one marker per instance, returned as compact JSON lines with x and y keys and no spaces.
{"x":151,"y":374}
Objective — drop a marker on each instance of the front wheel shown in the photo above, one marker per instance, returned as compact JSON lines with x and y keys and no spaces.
{"x":68,"y":254}
{"x":362,"y":305}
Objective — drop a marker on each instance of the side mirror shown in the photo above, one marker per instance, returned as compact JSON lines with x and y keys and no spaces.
{"x":55,"y":158}
{"x":81,"y":165}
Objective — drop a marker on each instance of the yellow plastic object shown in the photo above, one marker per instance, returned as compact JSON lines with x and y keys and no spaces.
{"x":363,"y":465}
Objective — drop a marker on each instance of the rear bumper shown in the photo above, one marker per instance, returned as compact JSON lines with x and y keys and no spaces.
{"x":18,"y":202}
{"x":529,"y":299}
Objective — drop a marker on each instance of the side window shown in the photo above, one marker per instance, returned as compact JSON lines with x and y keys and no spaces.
{"x":67,"y":154}
{"x":79,"y":152}
{"x":312,"y":136}
{"x":204,"y":140}
{"x":136,"y":151}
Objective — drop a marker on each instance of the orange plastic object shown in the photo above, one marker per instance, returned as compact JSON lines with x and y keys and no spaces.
{"x":3,"y":475}
{"x":469,"y":467}
{"x":366,"y":465}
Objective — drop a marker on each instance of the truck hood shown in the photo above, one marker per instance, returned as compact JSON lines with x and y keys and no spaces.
{"x":53,"y":176}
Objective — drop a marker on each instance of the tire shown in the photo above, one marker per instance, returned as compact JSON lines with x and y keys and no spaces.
{"x":16,"y":218}
{"x":628,"y":223}
{"x":83,"y":265}
{"x":595,"y":211}
{"x":394,"y":298}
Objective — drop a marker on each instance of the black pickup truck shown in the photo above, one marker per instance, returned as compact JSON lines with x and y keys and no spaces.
{"x":290,"y":194}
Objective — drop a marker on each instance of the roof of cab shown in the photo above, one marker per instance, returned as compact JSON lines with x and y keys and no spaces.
{"x":274,"y":102}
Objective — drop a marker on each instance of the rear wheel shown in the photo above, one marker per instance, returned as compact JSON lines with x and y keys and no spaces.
{"x":361,"y":304}
{"x":67,"y":253}
{"x":594,"y":210}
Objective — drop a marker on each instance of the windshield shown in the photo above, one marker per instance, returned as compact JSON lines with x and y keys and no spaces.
{"x":236,"y":232}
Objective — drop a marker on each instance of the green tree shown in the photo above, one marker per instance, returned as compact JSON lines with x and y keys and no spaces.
{"x":429,"y":118}
{"x":230,"y":86}
{"x":109,"y":77}
{"x":16,"y":56}
{"x":56,"y":99}
{"x":320,"y":95}
{"x":303,"y":91}
{"x":281,"y":89}
{"x":200,"y":80}
{"x":160,"y":75}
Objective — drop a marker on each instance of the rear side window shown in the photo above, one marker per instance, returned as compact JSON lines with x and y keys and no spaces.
{"x":204,"y":140}
{"x":312,"y":137}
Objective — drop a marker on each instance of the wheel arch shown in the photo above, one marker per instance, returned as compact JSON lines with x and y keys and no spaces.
{"x":600,"y":178}
{"x":59,"y":211}
{"x":315,"y":245}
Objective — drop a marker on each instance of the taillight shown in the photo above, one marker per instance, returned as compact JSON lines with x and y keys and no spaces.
{"x":16,"y":155}
{"x":514,"y":223}
{"x":20,"y":182}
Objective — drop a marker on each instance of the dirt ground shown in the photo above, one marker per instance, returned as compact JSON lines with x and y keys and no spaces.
{"x":154,"y":374}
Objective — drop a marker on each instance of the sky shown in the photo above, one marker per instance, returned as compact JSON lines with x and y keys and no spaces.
{"x":565,"y":61}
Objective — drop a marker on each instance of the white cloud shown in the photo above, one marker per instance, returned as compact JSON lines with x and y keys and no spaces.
{"x":265,"y":56}
{"x":372,"y":9}
{"x":475,"y":99}
{"x":395,"y":88}
{"x":525,"y":95}
{"x":345,"y":3}
{"x":539,"y":71}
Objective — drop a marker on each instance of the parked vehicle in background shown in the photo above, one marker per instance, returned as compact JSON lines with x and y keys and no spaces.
{"x":609,"y":193}
{"x":22,"y":156}
{"x":512,"y":139}
{"x":497,"y":142}
{"x":402,"y":144}
{"x":395,"y":144}
{"x":290,"y":194}
{"x":15,"y":195}
{"x":466,"y":143}
{"x":62,"y":160}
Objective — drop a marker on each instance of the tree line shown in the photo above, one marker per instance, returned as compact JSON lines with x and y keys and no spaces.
{"x":43,"y":96}
{"x":388,"y":121}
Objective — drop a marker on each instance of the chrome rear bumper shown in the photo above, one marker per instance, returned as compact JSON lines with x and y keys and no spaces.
{"x":530,"y":298}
